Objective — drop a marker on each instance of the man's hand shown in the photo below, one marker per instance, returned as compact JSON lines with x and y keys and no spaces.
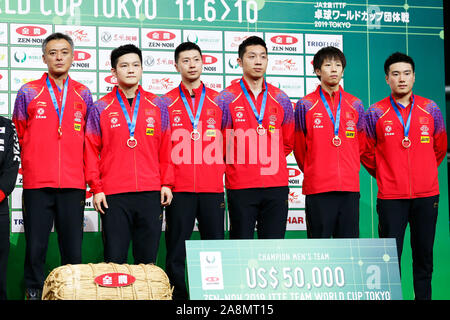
{"x":166,"y":196}
{"x":99,"y":200}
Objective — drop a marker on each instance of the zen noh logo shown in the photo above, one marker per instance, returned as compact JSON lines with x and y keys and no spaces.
{"x":81,"y":55}
{"x":207,"y":59}
{"x":114,"y":280}
{"x":293,"y":172}
{"x":161,"y":35}
{"x":284,"y":40}
{"x":111,"y":79}
{"x":31,"y":31}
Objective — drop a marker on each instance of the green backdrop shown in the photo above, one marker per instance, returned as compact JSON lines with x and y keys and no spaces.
{"x":370,"y":31}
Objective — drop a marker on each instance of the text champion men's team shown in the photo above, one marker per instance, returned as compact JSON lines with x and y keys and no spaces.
{"x":140,"y":153}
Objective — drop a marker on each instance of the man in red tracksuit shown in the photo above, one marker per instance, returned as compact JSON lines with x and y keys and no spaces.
{"x":197,"y":154}
{"x":49,"y":114}
{"x":407,"y":141}
{"x":259,"y":135}
{"x":328,"y":141}
{"x":127,"y":158}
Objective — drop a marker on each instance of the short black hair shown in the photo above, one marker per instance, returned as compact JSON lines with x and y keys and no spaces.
{"x":122,"y":50}
{"x":328,"y":53}
{"x":250,"y":41}
{"x":398,"y":57}
{"x":57,"y":36}
{"x":186,"y":46}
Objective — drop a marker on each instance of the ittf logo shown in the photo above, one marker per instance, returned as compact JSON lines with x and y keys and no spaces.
{"x":31,"y":31}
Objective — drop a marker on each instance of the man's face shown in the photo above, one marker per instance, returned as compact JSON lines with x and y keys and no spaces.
{"x":189,"y":65}
{"x":330,"y":72}
{"x":254,"y":61}
{"x":400,"y":78}
{"x":128,"y":70}
{"x":58,"y":57}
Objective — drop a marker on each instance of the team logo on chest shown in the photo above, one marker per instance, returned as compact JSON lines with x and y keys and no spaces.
{"x":78,"y":115}
{"x":350,"y":131}
{"x":150,"y":122}
{"x":177,"y":122}
{"x":317,"y":120}
{"x":77,"y":120}
{"x":211,"y":123}
{"x":114,"y":119}
{"x":40,"y":113}
{"x":424,"y":130}
{"x":425,"y":135}
{"x":239,"y":114}
{"x":388,"y":129}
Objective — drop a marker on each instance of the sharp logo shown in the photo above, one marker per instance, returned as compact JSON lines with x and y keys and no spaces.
{"x":31,"y":31}
{"x":81,"y":55}
{"x":284,"y":40}
{"x":161,"y":35}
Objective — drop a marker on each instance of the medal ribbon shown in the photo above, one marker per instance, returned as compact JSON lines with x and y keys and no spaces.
{"x":260,"y":116}
{"x":131,"y":124}
{"x":195,"y":120}
{"x":55,"y":101}
{"x":399,"y":116}
{"x":330,"y":114}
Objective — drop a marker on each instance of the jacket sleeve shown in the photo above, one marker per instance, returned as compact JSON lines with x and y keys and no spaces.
{"x":10,"y":165}
{"x":440,"y":134}
{"x":223,"y":100}
{"x":20,"y":113}
{"x":87,"y":97}
{"x":167,"y":170}
{"x":361,"y":128}
{"x":300,"y":134}
{"x":92,"y":149}
{"x":368,"y":150}
{"x":288,"y":125}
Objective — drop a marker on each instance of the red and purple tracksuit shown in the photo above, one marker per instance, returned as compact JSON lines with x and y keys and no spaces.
{"x":49,"y":159}
{"x":113,"y":167}
{"x":244,"y":162}
{"x":327,"y":167}
{"x":194,"y":172}
{"x":405,"y":173}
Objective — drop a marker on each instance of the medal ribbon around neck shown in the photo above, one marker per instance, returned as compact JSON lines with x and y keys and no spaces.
{"x":55,"y":101}
{"x":330,"y":114}
{"x":260,"y":116}
{"x":195,"y":135}
{"x":406,"y":142}
{"x":131,"y":142}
